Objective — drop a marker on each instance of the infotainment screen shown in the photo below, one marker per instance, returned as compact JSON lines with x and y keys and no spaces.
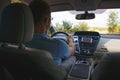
{"x":86,"y":40}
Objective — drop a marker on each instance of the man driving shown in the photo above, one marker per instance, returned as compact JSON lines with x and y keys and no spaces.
{"x":42,"y":19}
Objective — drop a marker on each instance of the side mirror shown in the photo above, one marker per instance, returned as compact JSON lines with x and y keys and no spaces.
{"x":85,"y":16}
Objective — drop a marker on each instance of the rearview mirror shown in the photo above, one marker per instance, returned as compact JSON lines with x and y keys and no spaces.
{"x":85,"y":16}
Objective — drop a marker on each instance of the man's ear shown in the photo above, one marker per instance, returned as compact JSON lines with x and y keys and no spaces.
{"x":47,"y":21}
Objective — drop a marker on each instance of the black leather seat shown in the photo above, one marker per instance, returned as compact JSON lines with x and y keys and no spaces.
{"x":108,"y":68}
{"x":24,"y":63}
{"x":4,"y":74}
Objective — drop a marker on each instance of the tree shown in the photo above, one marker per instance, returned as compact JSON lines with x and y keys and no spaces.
{"x":67,"y":25}
{"x":82,"y":26}
{"x":112,"y":22}
{"x":59,"y":27}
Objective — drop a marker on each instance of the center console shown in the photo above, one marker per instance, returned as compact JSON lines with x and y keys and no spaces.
{"x":80,"y":71}
{"x":85,"y":43}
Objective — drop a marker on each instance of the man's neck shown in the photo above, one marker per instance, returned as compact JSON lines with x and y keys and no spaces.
{"x":40,"y":29}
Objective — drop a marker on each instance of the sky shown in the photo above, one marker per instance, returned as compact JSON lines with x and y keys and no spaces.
{"x":100,"y":19}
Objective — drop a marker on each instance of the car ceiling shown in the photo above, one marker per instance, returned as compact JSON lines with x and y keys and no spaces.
{"x":81,"y":5}
{"x":78,"y":5}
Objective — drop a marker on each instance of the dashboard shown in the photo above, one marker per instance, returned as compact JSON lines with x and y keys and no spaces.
{"x":86,"y":42}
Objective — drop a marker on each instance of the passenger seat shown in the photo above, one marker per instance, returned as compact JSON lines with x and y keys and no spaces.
{"x":108,"y":68}
{"x":5,"y":74}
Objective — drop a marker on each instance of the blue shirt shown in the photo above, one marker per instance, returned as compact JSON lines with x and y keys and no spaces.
{"x":58,"y":48}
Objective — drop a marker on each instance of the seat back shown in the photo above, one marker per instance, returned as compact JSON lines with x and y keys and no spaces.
{"x":21,"y":62}
{"x":108,"y":68}
{"x":4,"y":74}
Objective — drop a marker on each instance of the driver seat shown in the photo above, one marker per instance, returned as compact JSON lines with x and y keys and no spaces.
{"x":21,"y":62}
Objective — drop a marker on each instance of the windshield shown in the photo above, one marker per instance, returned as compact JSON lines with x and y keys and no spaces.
{"x":105,"y":21}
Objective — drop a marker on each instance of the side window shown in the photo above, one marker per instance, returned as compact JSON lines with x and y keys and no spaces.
{"x":51,"y":30}
{"x":19,"y":1}
{"x":13,"y":1}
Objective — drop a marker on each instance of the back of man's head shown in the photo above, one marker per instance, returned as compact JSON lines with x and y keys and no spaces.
{"x":40,"y":10}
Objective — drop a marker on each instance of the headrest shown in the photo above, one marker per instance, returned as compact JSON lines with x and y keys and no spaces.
{"x":16,"y":24}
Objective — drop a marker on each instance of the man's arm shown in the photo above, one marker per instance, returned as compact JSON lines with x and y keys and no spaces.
{"x":71,"y":44}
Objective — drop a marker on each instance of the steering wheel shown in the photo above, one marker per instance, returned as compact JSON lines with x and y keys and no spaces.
{"x":63,"y":33}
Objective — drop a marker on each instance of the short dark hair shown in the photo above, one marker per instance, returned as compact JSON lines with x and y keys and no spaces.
{"x":40,"y":10}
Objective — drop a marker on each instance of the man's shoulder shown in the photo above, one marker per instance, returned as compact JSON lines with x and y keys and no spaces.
{"x":40,"y":35}
{"x":59,"y":41}
{"x":46,"y":38}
